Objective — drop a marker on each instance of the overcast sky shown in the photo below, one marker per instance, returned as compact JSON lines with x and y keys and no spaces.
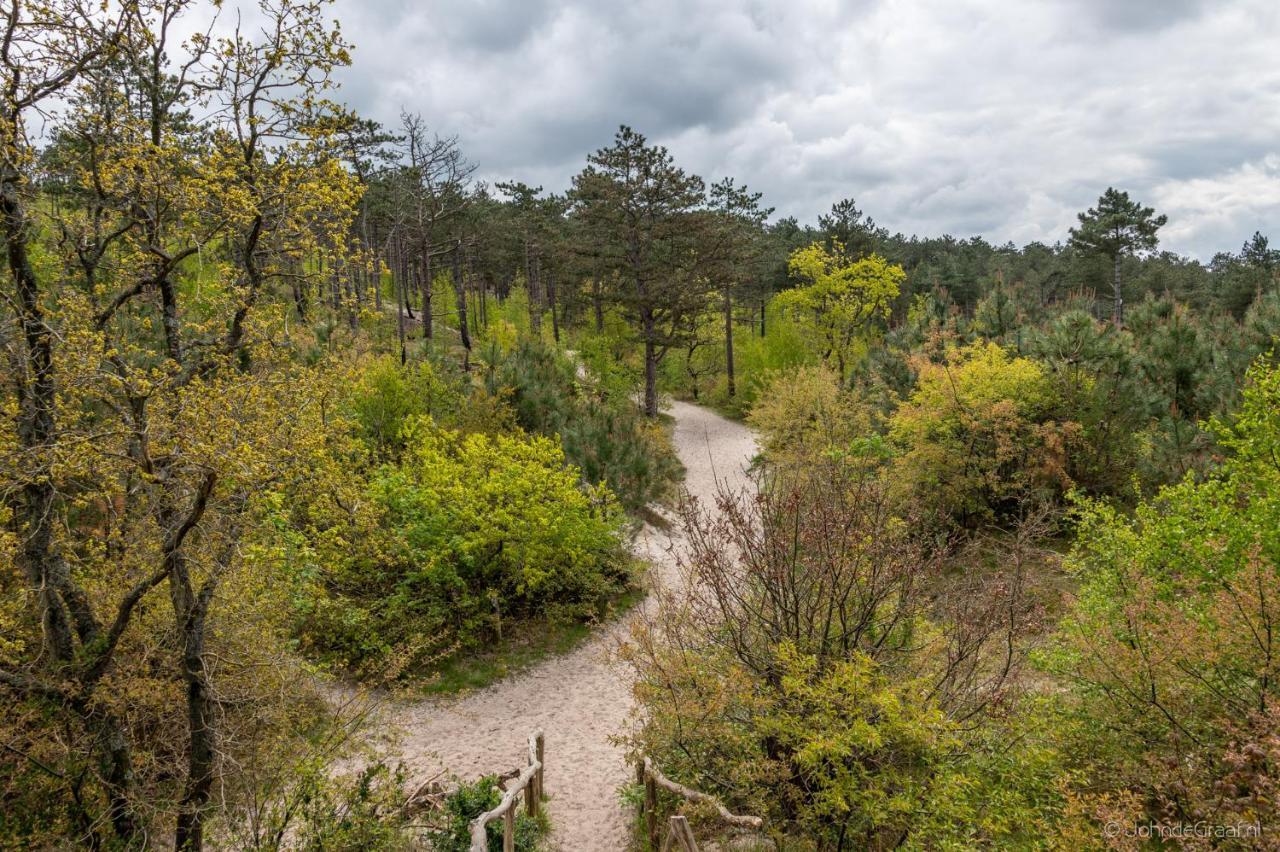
{"x":969,"y":117}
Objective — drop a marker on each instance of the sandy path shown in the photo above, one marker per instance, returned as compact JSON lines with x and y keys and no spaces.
{"x":580,"y":699}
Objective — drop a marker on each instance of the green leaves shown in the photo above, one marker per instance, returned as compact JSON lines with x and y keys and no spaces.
{"x":977,"y":432}
{"x":462,"y":533}
{"x":1169,"y":646}
{"x":840,"y":297}
{"x":1118,"y":225}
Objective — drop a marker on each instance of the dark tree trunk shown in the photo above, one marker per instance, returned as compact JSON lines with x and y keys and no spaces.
{"x":597,"y":302}
{"x":37,"y":397}
{"x":762,"y":307}
{"x":461,"y":293}
{"x":531,"y":279}
{"x":118,"y":774}
{"x":202,"y":742}
{"x":1118,"y":314}
{"x":650,"y":364}
{"x":728,"y":343}
{"x":397,"y":283}
{"x":169,"y":311}
{"x":406,"y":287}
{"x":428,"y":317}
{"x":190,"y":610}
{"x":551,"y":305}
{"x":60,"y":601}
{"x":299,"y":295}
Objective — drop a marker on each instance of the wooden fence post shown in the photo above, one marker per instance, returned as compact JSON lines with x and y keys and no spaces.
{"x":531,"y":797}
{"x":526,"y":782}
{"x":681,"y":834}
{"x":542,"y":765}
{"x":651,"y":810}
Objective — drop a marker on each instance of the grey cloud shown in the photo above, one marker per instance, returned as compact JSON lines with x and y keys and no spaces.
{"x":1140,"y":15}
{"x":966,"y":117}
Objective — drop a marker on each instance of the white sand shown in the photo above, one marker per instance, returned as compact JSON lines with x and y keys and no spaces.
{"x":581,"y":699}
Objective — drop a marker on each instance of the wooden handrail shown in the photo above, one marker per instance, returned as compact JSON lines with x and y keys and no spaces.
{"x":651,"y":779}
{"x":530,"y":782}
{"x":753,"y":822}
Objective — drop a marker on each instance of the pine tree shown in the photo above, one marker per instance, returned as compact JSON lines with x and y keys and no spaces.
{"x":1118,"y":226}
{"x":646,"y":215}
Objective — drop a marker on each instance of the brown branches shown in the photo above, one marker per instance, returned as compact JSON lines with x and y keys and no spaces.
{"x":819,"y":562}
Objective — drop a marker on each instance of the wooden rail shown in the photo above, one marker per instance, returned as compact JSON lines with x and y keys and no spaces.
{"x":529,"y":781}
{"x":678,"y":832}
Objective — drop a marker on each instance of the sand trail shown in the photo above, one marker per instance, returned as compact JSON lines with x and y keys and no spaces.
{"x":580,"y":699}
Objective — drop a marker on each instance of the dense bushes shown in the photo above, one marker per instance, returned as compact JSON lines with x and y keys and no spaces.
{"x":602,"y":431}
{"x":1169,"y":650}
{"x":423,"y":540}
{"x":1157,"y":698}
{"x":1096,"y":386}
{"x":385,"y":396}
{"x":806,"y":676}
{"x":976,"y":438}
{"x":977,"y":434}
{"x":980,"y":425}
{"x":799,"y":413}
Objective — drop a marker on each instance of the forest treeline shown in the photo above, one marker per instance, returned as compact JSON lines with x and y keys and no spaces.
{"x":289,"y":395}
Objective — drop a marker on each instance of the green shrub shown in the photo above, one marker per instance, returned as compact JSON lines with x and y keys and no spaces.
{"x":977,"y":435}
{"x":452,"y":833}
{"x":602,"y":431}
{"x":385,"y":395}
{"x":465,"y":534}
{"x":364,"y":814}
{"x":804,"y":411}
{"x":1168,"y":648}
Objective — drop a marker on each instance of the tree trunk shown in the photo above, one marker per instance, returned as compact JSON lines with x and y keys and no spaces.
{"x":406,"y":289}
{"x":118,"y":775}
{"x":423,"y":267}
{"x":397,"y":283}
{"x":1119,"y":299}
{"x":762,"y":309}
{"x":169,"y":311}
{"x":299,"y":297}
{"x":551,"y":304}
{"x":37,"y":399}
{"x":61,"y":602}
{"x":728,"y":343}
{"x":460,"y":292}
{"x":189,"y":834}
{"x":597,"y":302}
{"x":190,"y":610}
{"x":534,"y":287}
{"x":428,"y":291}
{"x":650,"y":365}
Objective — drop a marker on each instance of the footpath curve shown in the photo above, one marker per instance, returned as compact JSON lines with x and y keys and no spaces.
{"x":579,"y":699}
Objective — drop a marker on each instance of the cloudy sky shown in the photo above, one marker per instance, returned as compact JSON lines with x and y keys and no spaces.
{"x":965,"y":117}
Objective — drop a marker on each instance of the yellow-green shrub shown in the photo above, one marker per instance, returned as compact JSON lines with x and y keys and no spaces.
{"x":466,"y":533}
{"x":977,"y":434}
